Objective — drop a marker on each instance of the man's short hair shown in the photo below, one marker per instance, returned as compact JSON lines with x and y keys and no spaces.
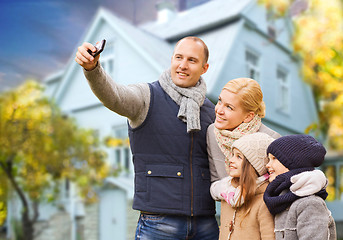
{"x":196,"y":39}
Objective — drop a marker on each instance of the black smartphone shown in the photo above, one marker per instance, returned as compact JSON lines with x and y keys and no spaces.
{"x":99,"y":48}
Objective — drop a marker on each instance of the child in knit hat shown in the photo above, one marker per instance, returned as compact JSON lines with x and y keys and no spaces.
{"x":246,"y":215}
{"x":301,"y":216}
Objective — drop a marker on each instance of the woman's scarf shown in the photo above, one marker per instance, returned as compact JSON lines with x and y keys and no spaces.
{"x":232,"y":194}
{"x":226,"y":138}
{"x":278,"y":196}
{"x":189,"y":99}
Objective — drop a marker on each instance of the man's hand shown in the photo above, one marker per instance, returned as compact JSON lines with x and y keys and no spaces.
{"x":87,"y":61}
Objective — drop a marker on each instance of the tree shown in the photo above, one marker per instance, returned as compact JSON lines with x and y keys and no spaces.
{"x":39,"y":146}
{"x":3,"y":207}
{"x":318,"y":39}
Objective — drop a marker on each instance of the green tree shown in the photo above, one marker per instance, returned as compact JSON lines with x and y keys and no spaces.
{"x":39,"y":146}
{"x":318,"y":40}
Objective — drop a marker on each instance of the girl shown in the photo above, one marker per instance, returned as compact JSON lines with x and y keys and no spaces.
{"x":246,"y":215}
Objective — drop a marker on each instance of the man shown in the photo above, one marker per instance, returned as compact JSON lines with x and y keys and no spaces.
{"x":168,"y":120}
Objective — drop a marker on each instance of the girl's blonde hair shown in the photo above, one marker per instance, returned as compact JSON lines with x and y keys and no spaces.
{"x":250,"y":94}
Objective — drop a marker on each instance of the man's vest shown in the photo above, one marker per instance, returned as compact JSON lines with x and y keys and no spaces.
{"x":171,"y":166}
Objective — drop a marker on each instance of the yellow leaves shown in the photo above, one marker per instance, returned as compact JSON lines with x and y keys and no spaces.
{"x":277,"y":7}
{"x":331,"y":189}
{"x":320,"y":27}
{"x":45,"y":145}
{"x":3,"y":212}
{"x":336,"y":71}
{"x":116,"y":142}
{"x":323,"y":55}
{"x":319,"y":40}
{"x":336,"y":127}
{"x":103,"y":172}
{"x":332,"y":193}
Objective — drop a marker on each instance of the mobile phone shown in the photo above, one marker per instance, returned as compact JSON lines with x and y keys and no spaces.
{"x":99,"y":48}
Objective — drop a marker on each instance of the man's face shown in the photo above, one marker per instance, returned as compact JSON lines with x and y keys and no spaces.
{"x":187,"y":64}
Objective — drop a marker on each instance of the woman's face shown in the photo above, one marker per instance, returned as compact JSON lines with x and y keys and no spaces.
{"x":229,"y":112}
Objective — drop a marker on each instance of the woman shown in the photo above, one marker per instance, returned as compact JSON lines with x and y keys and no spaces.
{"x":239,"y":111}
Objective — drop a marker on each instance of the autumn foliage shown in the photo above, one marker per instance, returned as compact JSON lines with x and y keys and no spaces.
{"x":39,"y":148}
{"x":318,"y":40}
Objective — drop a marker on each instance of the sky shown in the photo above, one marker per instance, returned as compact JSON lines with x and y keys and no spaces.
{"x":39,"y":37}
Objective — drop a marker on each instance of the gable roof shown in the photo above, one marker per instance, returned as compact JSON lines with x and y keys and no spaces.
{"x":122,"y":182}
{"x":217,"y":22}
{"x":199,"y":19}
{"x":144,"y":42}
{"x":154,"y":50}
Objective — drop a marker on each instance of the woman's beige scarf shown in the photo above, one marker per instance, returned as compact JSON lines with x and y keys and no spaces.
{"x":226,"y":138}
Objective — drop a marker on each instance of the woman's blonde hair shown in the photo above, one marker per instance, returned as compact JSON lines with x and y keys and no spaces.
{"x":250,"y":94}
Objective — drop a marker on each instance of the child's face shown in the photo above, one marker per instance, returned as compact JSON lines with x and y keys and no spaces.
{"x":274,"y":167}
{"x":236,"y":163}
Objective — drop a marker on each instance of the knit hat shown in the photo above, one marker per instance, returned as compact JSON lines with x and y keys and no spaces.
{"x":254,"y":148}
{"x":298,"y":151}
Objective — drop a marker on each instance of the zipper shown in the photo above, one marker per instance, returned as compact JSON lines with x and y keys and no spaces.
{"x":191,"y":168}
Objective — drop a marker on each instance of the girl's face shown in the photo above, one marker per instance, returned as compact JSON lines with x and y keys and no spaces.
{"x":229,"y":112}
{"x":274,"y":167}
{"x":236,"y":162}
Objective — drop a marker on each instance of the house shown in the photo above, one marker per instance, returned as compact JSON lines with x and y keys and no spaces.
{"x":243,"y":42}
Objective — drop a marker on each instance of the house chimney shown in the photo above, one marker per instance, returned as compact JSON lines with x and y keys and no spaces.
{"x":165,"y":11}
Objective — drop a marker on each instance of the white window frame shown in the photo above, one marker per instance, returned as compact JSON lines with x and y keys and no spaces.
{"x":253,"y":67}
{"x":124,"y":162}
{"x":125,"y":156}
{"x":282,"y":77}
{"x":108,"y":58}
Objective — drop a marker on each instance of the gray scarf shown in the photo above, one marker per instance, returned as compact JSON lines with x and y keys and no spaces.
{"x":189,"y":99}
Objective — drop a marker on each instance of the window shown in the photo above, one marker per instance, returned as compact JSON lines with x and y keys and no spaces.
{"x":107,"y":58}
{"x":117,"y":155}
{"x":123,"y":159}
{"x":271,"y":25}
{"x":271,"y":32}
{"x":284,"y":99}
{"x":252,"y":62}
{"x":121,"y":148}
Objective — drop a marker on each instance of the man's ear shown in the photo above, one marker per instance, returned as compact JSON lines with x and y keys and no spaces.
{"x":205,"y":68}
{"x":249,"y":117}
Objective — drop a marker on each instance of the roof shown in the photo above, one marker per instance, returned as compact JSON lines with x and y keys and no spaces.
{"x":154,"y":41}
{"x":125,"y":183}
{"x":154,"y":46}
{"x":198,"y":19}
